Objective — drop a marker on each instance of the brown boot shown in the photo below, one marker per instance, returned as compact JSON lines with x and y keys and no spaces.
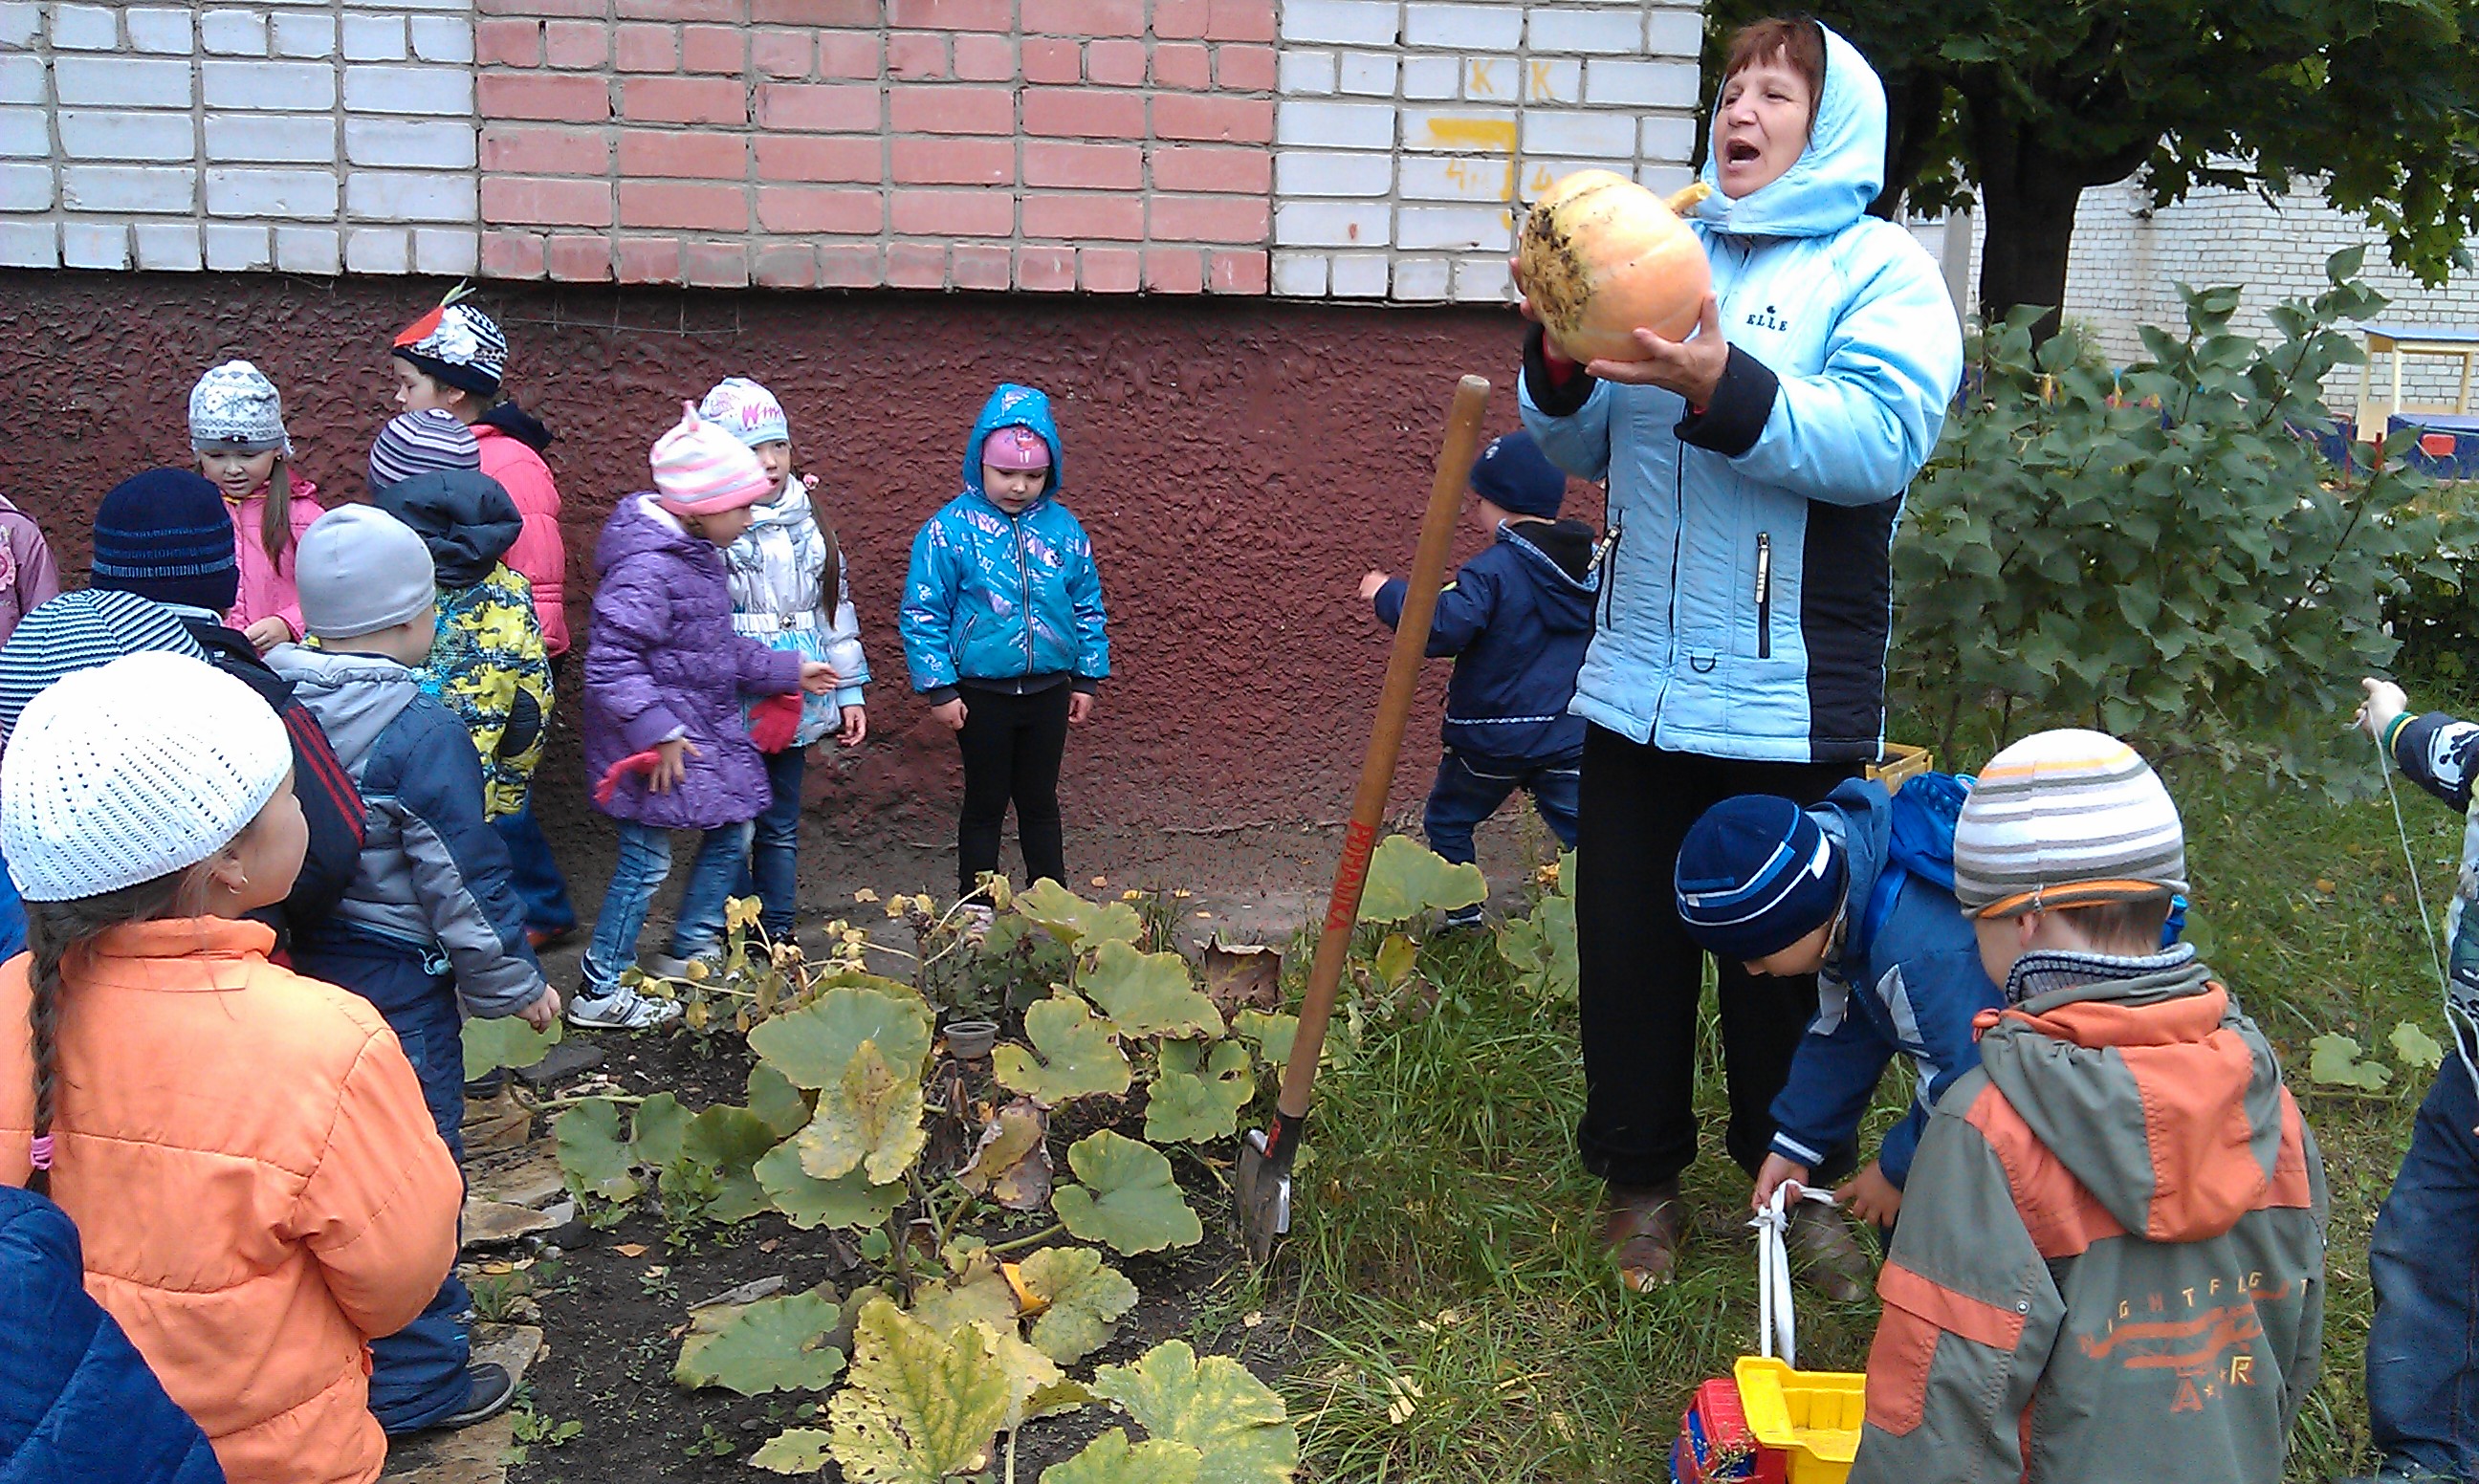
{"x":1642,"y":1227}
{"x":1831,"y":1260}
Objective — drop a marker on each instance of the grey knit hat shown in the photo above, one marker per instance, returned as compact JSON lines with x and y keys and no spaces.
{"x":361,"y":570}
{"x":235,"y":406}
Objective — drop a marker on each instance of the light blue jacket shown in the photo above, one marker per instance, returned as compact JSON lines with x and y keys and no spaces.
{"x":1747,"y":597}
{"x":994,"y":596}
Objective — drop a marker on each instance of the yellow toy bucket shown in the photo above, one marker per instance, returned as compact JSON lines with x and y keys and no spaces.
{"x":1813,"y":1417}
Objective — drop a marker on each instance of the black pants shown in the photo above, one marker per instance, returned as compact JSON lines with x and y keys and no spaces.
{"x":1642,"y":975}
{"x":1011,"y":745}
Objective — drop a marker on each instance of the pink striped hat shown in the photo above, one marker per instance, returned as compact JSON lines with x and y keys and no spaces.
{"x":702,"y":469}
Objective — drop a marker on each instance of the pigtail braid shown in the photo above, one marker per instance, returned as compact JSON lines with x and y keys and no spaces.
{"x":44,"y":1014}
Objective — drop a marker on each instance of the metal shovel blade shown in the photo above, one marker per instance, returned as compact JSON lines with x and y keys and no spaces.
{"x":1265,"y":1191}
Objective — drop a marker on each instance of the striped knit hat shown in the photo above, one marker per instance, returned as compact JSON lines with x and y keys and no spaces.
{"x":1755,"y":875}
{"x":702,"y":469}
{"x":747,"y":411}
{"x":420,"y":442}
{"x":167,"y":534}
{"x":79,"y":632}
{"x":2066,"y":818}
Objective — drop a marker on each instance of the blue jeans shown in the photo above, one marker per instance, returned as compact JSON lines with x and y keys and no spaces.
{"x":2424,"y":1347}
{"x":1470,"y":787}
{"x":774,"y":852}
{"x":539,"y":886}
{"x":645,"y":862}
{"x":417,"y":1373}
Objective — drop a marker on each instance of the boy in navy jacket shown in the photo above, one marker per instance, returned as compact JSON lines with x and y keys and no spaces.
{"x":1516,"y":618}
{"x":1793,"y":892}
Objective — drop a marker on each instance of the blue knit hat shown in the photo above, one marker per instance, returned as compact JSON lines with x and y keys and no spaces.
{"x":1755,"y":875}
{"x":1514,"y":474}
{"x":79,"y":632}
{"x":167,"y":534}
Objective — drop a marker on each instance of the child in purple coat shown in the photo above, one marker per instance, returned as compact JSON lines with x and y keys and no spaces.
{"x":664,"y":675}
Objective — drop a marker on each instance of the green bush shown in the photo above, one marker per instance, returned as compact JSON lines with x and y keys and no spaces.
{"x":2161,"y":554}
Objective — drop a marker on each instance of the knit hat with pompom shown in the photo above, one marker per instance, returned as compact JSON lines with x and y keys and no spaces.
{"x":702,"y":469}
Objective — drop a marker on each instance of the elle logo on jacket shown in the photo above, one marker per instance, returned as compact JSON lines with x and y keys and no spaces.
{"x":1768,"y":318}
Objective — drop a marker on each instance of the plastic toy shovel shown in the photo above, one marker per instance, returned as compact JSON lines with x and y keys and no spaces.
{"x":1266,"y":1154}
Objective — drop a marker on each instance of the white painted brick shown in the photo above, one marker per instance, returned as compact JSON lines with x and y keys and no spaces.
{"x":1367,"y":73}
{"x":427,"y":144}
{"x":166,"y":33}
{"x":237,"y":249}
{"x":460,"y":7}
{"x":305,"y":36}
{"x":1464,"y":27}
{"x":308,"y":249}
{"x":25,"y":188}
{"x":1459,"y":228}
{"x":1669,"y":138}
{"x":1675,"y":33}
{"x":283,"y":87}
{"x":1482,"y":280}
{"x":244,"y":192}
{"x":123,"y":82}
{"x":1553,"y":79}
{"x":1420,"y":279}
{"x":376,"y":250}
{"x":1640,"y":84}
{"x":1359,"y":275}
{"x":1662,"y":179}
{"x":271,"y":139}
{"x":410,"y":196}
{"x":169,"y":246}
{"x":88,"y":134}
{"x":439,"y":92}
{"x":1296,"y":274}
{"x":84,"y":28}
{"x":230,"y":34}
{"x":128,"y":188}
{"x":1335,"y":125}
{"x":374,"y":39}
{"x":1617,"y":31}
{"x":25,"y":134}
{"x":1349,"y":22}
{"x":1301,"y":71}
{"x":1316,"y":172}
{"x":1465,"y":130}
{"x":29,"y":244}
{"x":20,"y":22}
{"x":1596,"y":136}
{"x":1331,"y":223}
{"x":1455,"y":178}
{"x":21,"y":79}
{"x":1432,"y":77}
{"x":95,"y":244}
{"x":440,"y":39}
{"x":1540,"y":175}
{"x":445,"y":253}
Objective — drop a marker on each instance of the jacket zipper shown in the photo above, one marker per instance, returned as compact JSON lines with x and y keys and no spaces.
{"x":1024,"y":570}
{"x":1607,"y":561}
{"x":1764,"y":595}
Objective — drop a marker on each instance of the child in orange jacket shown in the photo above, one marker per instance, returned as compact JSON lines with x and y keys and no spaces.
{"x":246,"y":1152}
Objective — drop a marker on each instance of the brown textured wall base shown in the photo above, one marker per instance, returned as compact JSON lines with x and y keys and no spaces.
{"x":1239,"y":465}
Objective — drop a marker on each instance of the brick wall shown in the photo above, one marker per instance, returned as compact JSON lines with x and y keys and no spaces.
{"x":1352,"y":148}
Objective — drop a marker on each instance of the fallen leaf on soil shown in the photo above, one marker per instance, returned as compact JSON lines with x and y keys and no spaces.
{"x":1240,"y":977}
{"x":631,"y":1249}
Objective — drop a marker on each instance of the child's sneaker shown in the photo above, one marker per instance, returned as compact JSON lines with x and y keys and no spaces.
{"x":623,"y":1009}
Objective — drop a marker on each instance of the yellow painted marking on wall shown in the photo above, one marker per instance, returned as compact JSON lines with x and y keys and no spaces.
{"x":1482,"y":79}
{"x":1493,"y":178}
{"x":1480,"y":134}
{"x":1543,"y":85}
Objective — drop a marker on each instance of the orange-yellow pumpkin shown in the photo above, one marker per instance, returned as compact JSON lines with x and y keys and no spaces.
{"x":1601,"y":256}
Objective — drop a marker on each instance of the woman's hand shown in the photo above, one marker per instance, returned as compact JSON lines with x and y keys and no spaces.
{"x":950,"y":714}
{"x":819,"y":679}
{"x":670,"y":764}
{"x":1080,"y":706}
{"x":1692,"y":366}
{"x":267,"y":633}
{"x":2384,"y":702}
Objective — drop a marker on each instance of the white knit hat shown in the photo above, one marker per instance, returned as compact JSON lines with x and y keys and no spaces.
{"x":2066,"y":818}
{"x":131,"y":771}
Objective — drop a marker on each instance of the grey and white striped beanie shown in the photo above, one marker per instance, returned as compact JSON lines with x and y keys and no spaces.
{"x":2066,"y":818}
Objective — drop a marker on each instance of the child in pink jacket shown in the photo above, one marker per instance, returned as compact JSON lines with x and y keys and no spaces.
{"x":29,"y":578}
{"x":236,"y":426}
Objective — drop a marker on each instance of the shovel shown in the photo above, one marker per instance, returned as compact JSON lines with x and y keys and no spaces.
{"x":1266,"y":1154}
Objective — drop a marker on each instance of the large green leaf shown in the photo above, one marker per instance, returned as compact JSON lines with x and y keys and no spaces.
{"x":593,"y":1155}
{"x":917,"y":1407}
{"x":504,"y":1041}
{"x":656,"y":1133}
{"x":811,"y":1046}
{"x":1270,"y":1034}
{"x":869,"y":1120}
{"x":2332,"y":1060}
{"x":1197,"y":1100}
{"x":1073,"y":920}
{"x":847,"y":1203}
{"x":729,"y":1141}
{"x":1077,"y":1055}
{"x":1214,"y":1405}
{"x":1109,"y":1459}
{"x":1128,"y":1199}
{"x":1148,"y":994}
{"x":774,"y":1344}
{"x":1406,"y":880}
{"x":1084,"y":1299}
{"x":2415,"y":1049}
{"x":785,"y":1108}
{"x":1011,"y":1163}
{"x":1540,"y":948}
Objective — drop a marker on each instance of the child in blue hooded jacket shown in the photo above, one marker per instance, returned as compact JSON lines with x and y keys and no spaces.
{"x":1515,"y":619}
{"x":1004,"y":632}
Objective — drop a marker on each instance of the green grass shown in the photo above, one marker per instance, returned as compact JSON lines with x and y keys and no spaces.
{"x":1457,"y":1321}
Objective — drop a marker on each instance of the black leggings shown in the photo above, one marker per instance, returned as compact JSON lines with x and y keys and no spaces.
{"x":1011,"y":746}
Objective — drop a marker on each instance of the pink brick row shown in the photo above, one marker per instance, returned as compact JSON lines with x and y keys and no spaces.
{"x":867,"y":107}
{"x":1210,"y":20}
{"x":1032,"y":267}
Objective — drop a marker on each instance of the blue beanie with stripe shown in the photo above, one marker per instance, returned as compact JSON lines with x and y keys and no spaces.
{"x":1755,"y":875}
{"x":166,"y":534}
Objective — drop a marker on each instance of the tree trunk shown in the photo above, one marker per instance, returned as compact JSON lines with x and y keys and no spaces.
{"x":2029,"y":191}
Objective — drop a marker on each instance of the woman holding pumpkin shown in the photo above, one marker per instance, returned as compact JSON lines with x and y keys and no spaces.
{"x":1756,"y":469}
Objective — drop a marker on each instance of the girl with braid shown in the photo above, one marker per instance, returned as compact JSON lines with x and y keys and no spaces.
{"x":246,"y":1152}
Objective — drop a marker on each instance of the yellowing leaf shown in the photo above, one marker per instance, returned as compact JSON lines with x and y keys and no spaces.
{"x":917,"y":1407}
{"x":812,"y":1046}
{"x":1247,"y":975}
{"x":740,"y":914}
{"x":1110,"y":1459}
{"x":1078,"y":1055}
{"x":1148,"y":994}
{"x":793,"y":1450}
{"x":1215,"y":1406}
{"x":978,"y":1293}
{"x":1072,"y":920}
{"x":850,"y":1202}
{"x":871,"y":1119}
{"x":2332,"y":1060}
{"x":1196,"y":1100}
{"x":1012,"y":1163}
{"x":505,"y":1040}
{"x":1396,"y":957}
{"x":2415,"y":1048}
{"x":1406,"y":880}
{"x":1082,"y":1299}
{"x":1128,"y":1199}
{"x":774,"y":1344}
{"x":591,"y":1155}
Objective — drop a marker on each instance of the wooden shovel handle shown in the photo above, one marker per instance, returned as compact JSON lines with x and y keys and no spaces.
{"x":1385,"y":741}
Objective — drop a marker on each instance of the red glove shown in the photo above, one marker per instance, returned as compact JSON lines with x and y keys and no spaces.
{"x":773,"y":722}
{"x":643,"y":763}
